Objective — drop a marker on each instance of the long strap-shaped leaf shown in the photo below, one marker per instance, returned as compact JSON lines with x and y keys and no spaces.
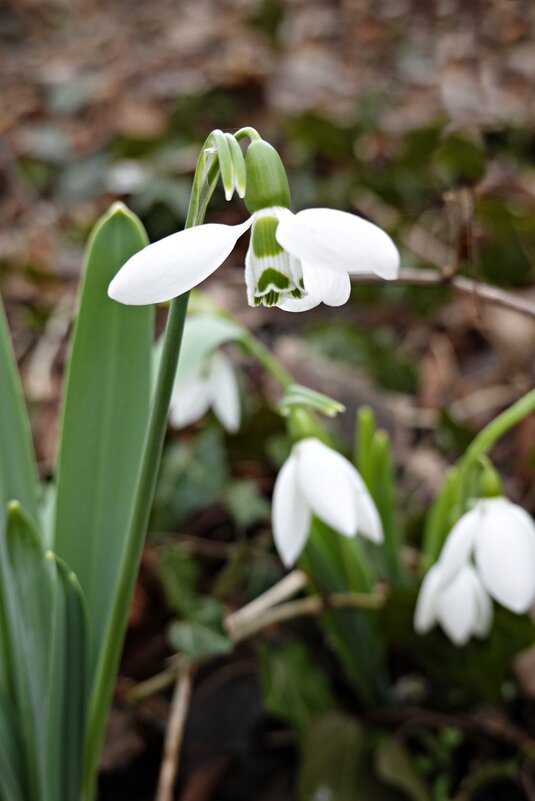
{"x":18,"y":478}
{"x":43,"y":700}
{"x":27,"y":590}
{"x":69,"y":690}
{"x":104,"y":420}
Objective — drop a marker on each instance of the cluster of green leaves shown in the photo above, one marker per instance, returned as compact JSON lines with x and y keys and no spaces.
{"x":59,"y":582}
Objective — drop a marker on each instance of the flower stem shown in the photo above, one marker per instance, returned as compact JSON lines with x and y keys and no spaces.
{"x":259,"y":352}
{"x":206,"y":177}
{"x":486,"y":439}
{"x":500,"y":426}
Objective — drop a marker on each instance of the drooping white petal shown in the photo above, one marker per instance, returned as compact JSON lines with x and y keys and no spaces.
{"x":291,"y":514}
{"x":338,"y":240}
{"x":327,"y":486}
{"x":505,"y":554}
{"x":425,"y":615}
{"x":459,"y":543}
{"x":175,"y":264}
{"x":369,"y":524}
{"x":322,"y":285}
{"x":457,"y":607}
{"x":189,"y":402}
{"x":224,"y":392}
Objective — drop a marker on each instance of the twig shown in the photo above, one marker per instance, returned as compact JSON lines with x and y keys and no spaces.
{"x":467,"y":286}
{"x":250,"y":626}
{"x":284,"y":589}
{"x":314,"y":605}
{"x":175,"y":733}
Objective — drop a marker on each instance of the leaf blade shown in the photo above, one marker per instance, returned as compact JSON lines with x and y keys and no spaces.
{"x":104,"y":420}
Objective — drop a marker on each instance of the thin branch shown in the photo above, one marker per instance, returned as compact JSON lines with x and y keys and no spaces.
{"x":250,"y":626}
{"x":284,"y":589}
{"x":175,"y":733}
{"x":313,"y":605}
{"x":466,"y":286}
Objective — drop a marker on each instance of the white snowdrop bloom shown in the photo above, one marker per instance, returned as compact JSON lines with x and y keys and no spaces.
{"x":316,"y":480}
{"x":461,"y":606}
{"x":500,"y":537}
{"x":294,"y":261}
{"x":212,"y":385}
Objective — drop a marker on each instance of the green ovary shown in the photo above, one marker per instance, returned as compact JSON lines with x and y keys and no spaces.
{"x":263,"y":237}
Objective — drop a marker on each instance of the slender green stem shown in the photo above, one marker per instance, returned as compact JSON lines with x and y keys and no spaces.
{"x":267,"y":360}
{"x":204,"y":183}
{"x":486,"y":439}
{"x":500,"y":426}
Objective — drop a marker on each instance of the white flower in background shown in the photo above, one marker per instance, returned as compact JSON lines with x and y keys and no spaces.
{"x":213,"y":384}
{"x":461,"y":607}
{"x":489,"y":553}
{"x":500,"y":537}
{"x":294,"y":261}
{"x":316,"y":480}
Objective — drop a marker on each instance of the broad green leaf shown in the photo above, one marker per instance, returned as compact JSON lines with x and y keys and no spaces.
{"x":12,"y":772}
{"x":294,"y":688}
{"x":18,"y":477}
{"x":196,"y":640}
{"x":28,"y":595}
{"x":105,"y":415}
{"x":337,"y":564}
{"x":69,"y":689}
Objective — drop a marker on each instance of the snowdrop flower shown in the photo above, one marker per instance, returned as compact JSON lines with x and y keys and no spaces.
{"x":316,"y":480}
{"x":461,"y":606}
{"x":294,"y":261}
{"x":212,"y":385}
{"x":500,"y":537}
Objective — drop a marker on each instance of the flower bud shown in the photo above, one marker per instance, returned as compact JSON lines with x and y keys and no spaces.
{"x":267,"y":184}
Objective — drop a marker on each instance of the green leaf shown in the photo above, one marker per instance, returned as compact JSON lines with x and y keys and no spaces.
{"x":337,"y":564}
{"x":69,"y":694}
{"x":394,"y":767}
{"x":196,"y":640}
{"x":12,"y":772}
{"x":294,"y":688}
{"x":18,"y":476}
{"x":28,"y":587}
{"x":104,"y":420}
{"x":332,"y":755}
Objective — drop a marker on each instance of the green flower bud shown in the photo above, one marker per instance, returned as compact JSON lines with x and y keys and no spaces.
{"x":267,"y":184}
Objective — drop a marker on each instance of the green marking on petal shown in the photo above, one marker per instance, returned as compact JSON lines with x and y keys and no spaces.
{"x":272,"y":279}
{"x":263,"y":237}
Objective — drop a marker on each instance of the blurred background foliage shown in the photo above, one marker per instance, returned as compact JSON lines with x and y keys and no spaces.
{"x":416,"y":115}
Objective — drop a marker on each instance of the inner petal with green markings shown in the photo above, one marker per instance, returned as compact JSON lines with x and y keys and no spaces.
{"x":271,"y":273}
